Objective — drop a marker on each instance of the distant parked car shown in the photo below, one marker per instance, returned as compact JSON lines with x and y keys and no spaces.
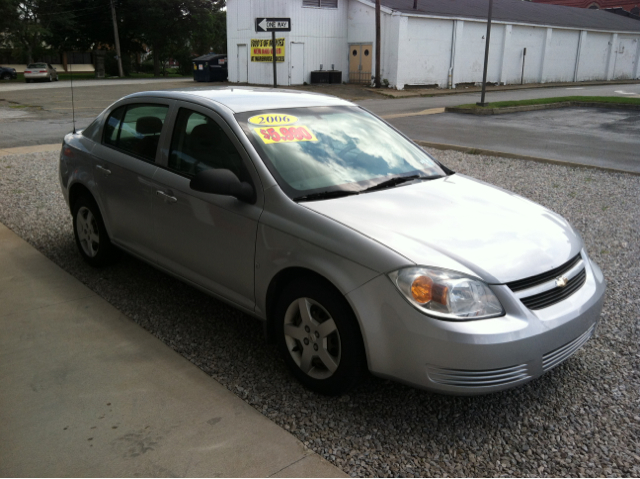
{"x":7,"y":73}
{"x":40,"y":71}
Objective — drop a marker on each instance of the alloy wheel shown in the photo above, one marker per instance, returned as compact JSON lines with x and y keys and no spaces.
{"x":312,"y":338}
{"x":88,"y":232}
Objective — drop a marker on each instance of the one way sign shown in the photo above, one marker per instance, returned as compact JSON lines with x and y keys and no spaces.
{"x":273,"y":25}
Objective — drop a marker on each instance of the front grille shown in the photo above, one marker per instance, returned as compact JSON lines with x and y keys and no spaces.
{"x":544,"y":277}
{"x":555,"y":357}
{"x":475,"y":379}
{"x":555,"y":295}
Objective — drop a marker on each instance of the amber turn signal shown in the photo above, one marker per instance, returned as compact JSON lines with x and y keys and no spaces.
{"x":421,"y":289}
{"x":424,"y":290}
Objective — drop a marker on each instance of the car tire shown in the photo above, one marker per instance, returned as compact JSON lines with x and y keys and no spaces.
{"x":6,"y":76}
{"x":50,"y":78}
{"x":327,"y":359}
{"x":27,"y":80}
{"x":90,"y":233}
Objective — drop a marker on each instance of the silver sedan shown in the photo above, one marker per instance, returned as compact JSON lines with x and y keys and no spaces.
{"x":358,"y":250}
{"x":40,"y":71}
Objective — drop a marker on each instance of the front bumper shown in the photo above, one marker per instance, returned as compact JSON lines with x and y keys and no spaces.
{"x":473,"y":357}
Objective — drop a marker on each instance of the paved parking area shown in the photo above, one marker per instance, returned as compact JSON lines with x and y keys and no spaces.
{"x":592,"y":136}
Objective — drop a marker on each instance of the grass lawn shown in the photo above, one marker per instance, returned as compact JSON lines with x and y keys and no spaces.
{"x":544,"y":101}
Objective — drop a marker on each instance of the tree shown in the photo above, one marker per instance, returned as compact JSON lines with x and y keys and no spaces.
{"x":27,"y":25}
{"x":167,"y":26}
{"x":176,"y":29}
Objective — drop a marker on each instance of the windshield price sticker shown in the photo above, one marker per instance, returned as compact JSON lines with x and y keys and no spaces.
{"x":285,"y":135}
{"x":273,"y":119}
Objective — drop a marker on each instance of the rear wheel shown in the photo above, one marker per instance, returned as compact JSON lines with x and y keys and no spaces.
{"x":319,"y":337}
{"x":6,"y":76}
{"x":50,"y":78}
{"x":27,"y":80}
{"x":90,"y":233}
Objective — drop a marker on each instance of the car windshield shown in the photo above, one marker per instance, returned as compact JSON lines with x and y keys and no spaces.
{"x":38,"y":65}
{"x":332,"y":149}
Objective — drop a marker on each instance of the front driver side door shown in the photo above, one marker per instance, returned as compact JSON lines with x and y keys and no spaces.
{"x":204,"y":238}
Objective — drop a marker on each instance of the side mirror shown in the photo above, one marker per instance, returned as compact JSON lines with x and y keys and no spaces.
{"x":223,"y":182}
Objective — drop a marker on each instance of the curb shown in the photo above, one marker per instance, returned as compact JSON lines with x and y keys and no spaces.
{"x":515,"y":156}
{"x":545,"y":106}
{"x":397,"y":94}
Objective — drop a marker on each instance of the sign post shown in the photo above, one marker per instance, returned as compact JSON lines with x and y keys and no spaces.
{"x":273,"y":25}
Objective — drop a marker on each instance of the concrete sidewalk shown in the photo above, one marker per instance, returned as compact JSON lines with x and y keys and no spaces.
{"x":87,"y":392}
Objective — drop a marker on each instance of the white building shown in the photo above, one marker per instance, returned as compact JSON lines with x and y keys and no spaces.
{"x":439,"y":43}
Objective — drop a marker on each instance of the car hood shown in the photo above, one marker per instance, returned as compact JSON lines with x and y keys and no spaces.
{"x":460,"y":223}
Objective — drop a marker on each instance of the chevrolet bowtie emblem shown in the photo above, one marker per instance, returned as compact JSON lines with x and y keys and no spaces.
{"x":561,"y":282}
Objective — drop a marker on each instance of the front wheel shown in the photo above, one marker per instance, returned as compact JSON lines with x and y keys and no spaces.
{"x":90,"y":233}
{"x":319,"y":337}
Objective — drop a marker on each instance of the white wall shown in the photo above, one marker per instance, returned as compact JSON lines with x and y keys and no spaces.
{"x":323,"y":32}
{"x":362,"y":29}
{"x":626,"y":56}
{"x":425,"y":52}
{"x":418,"y":50}
{"x":470,"y":53}
{"x":553,"y":54}
{"x":561,"y":58}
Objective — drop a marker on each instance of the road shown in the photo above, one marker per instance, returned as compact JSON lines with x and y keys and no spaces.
{"x":42,"y":113}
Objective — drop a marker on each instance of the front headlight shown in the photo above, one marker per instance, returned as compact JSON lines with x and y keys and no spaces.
{"x":447,"y":294}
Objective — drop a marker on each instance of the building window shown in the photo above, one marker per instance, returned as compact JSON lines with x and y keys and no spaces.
{"x":320,"y":3}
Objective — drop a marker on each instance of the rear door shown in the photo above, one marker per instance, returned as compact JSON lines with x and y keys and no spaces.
{"x":125,"y":162}
{"x":207,"y":239}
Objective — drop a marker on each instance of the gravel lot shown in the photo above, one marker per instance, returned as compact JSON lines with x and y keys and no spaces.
{"x":581,"y":419}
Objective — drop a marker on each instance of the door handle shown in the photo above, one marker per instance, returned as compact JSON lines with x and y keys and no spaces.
{"x":168,"y":198}
{"x":103,"y":169}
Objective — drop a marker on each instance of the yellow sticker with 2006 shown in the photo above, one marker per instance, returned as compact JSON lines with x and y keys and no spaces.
{"x":283,"y":134}
{"x":273,"y":119}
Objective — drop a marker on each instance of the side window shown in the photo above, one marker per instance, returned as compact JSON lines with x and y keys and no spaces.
{"x":199,"y":143}
{"x":136,"y":129}
{"x":112,"y":128}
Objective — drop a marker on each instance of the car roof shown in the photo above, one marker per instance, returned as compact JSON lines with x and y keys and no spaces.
{"x":241,"y":99}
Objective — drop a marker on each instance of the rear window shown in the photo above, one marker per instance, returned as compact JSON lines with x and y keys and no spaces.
{"x":38,"y":65}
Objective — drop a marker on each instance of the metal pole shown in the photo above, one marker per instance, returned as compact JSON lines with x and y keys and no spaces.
{"x":524,"y":56}
{"x":115,"y":34}
{"x":486,"y":56}
{"x":273,"y":45}
{"x":377,"y":77}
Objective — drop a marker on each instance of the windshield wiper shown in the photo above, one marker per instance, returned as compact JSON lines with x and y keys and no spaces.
{"x":325,"y":195}
{"x":397,"y":180}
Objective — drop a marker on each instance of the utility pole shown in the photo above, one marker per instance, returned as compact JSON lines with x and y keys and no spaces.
{"x":273,"y":51}
{"x":486,"y":56}
{"x":115,"y":33}
{"x":377,"y":77}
